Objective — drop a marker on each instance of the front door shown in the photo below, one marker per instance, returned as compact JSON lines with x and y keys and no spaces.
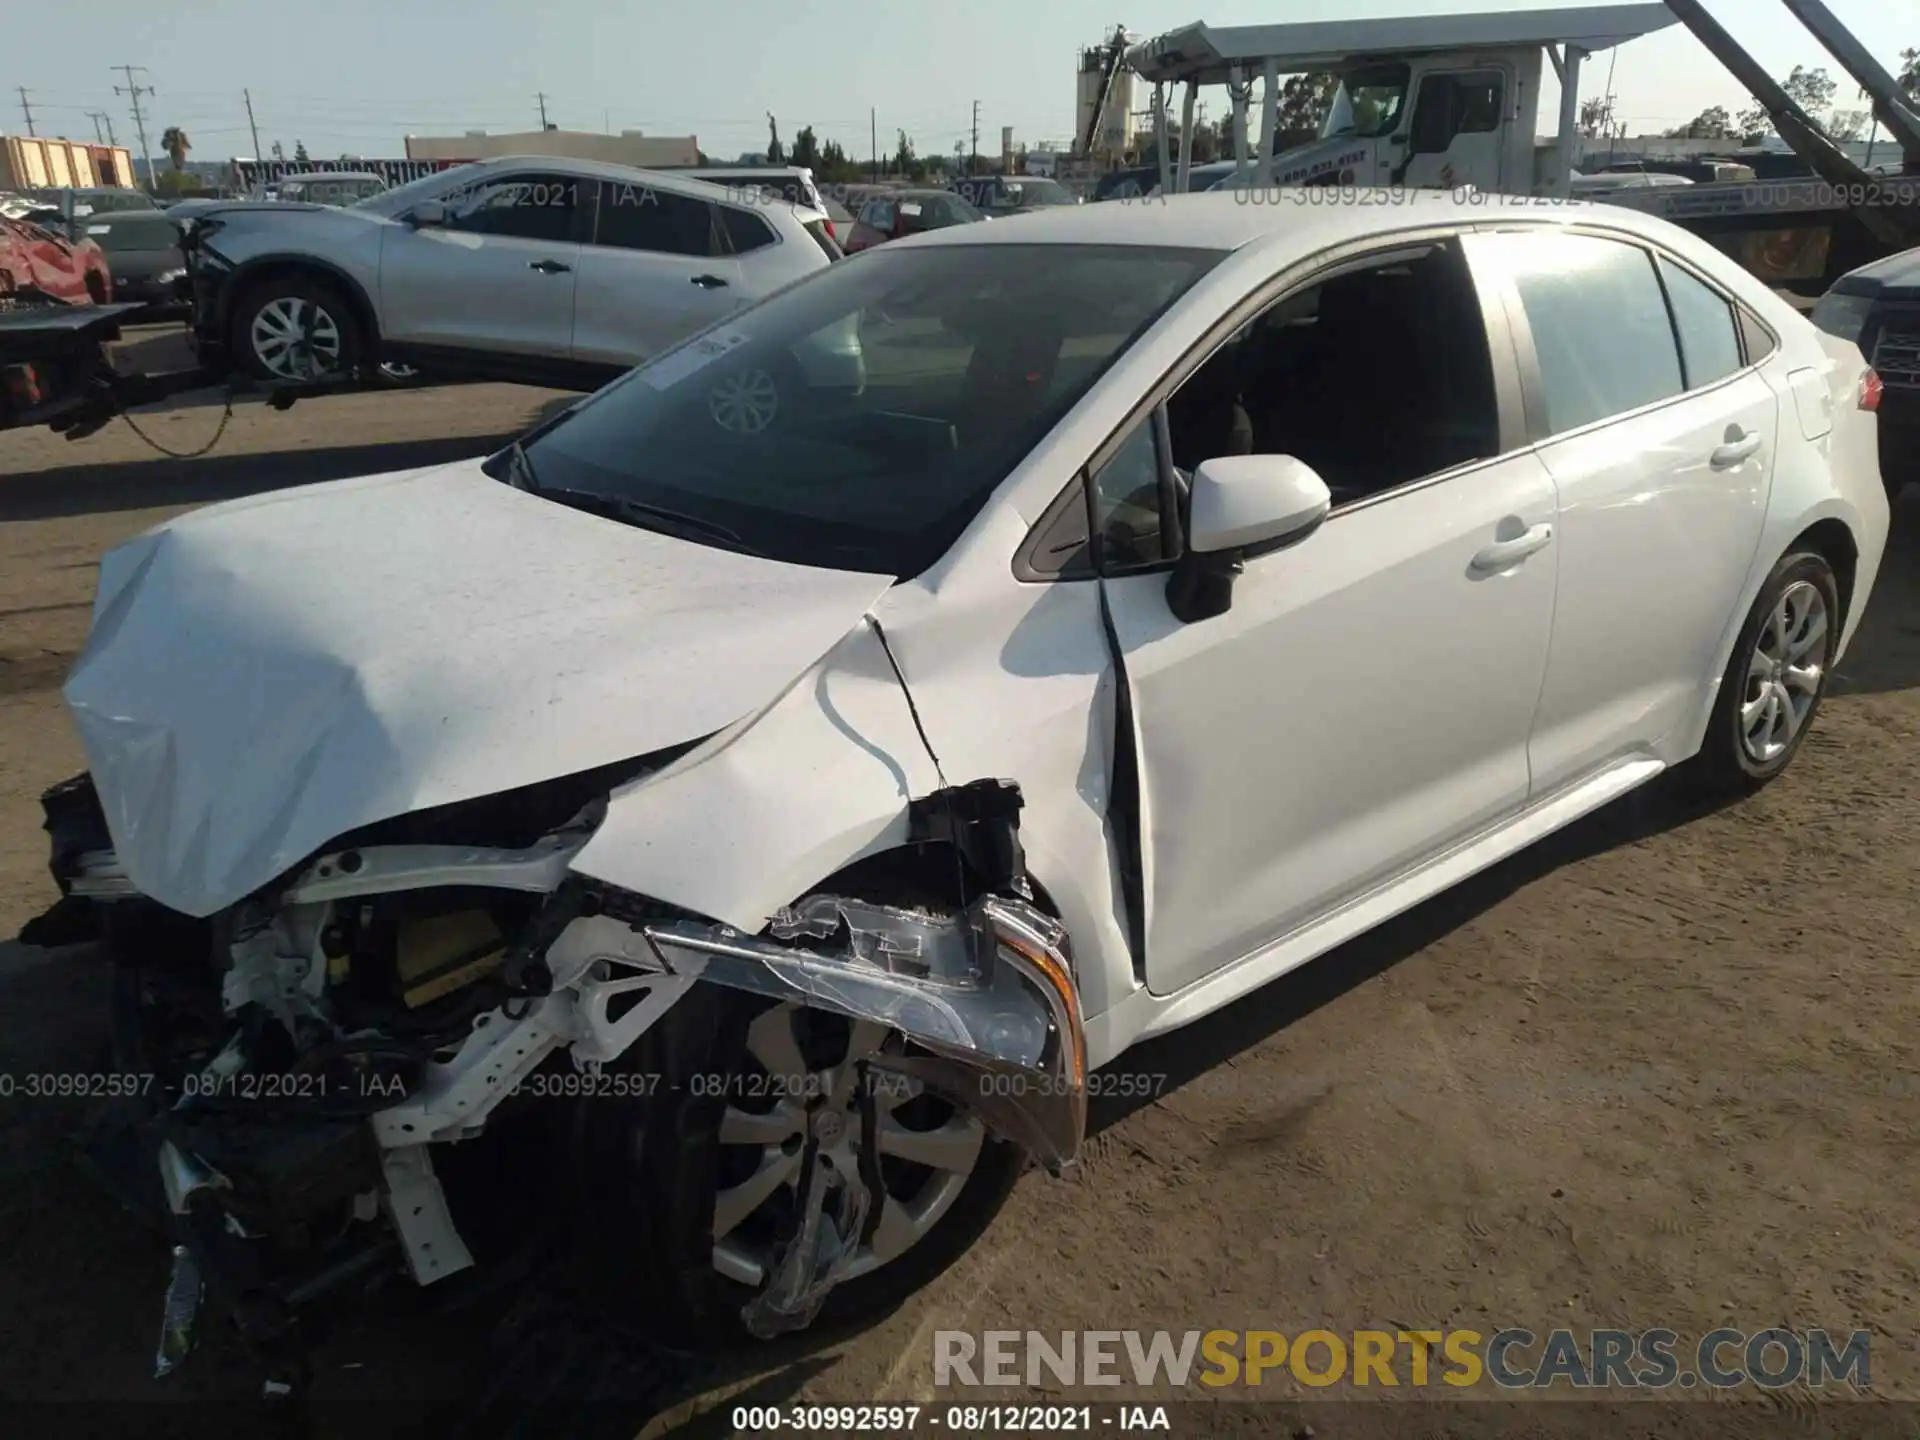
{"x":1456,"y":136}
{"x":1366,"y":701}
{"x":498,"y":276}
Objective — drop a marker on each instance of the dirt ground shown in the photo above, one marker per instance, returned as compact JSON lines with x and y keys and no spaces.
{"x":1660,"y":1071}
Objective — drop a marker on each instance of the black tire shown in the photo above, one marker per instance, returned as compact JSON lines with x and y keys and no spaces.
{"x":1727,"y":765}
{"x":340,"y":355}
{"x":644,"y":1175}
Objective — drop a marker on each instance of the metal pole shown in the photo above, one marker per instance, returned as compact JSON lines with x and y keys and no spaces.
{"x":26,"y":109}
{"x":1186,"y":137}
{"x":1569,"y":119}
{"x":873,"y":139}
{"x":1160,"y":136}
{"x":1239,"y":91}
{"x":255,"y":129}
{"x":1269,"y":126}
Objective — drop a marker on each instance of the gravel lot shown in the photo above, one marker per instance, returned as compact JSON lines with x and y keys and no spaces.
{"x":1660,"y":1071}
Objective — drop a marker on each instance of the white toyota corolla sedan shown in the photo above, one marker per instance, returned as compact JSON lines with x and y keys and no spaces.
{"x":731,"y":835}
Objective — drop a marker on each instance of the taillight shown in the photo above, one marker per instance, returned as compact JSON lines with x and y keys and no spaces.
{"x":832,"y":234}
{"x":1870,"y":389}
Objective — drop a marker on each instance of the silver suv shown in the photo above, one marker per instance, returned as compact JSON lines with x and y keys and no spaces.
{"x":533,"y":269}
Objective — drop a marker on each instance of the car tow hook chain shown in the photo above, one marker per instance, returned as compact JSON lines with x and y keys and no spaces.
{"x":226,"y":415}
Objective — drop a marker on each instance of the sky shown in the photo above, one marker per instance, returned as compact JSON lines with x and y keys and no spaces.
{"x":356,"y":76}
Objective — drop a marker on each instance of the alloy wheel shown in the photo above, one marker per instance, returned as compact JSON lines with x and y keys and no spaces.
{"x":1784,"y":673}
{"x":804,"y":1078}
{"x":295,"y":339}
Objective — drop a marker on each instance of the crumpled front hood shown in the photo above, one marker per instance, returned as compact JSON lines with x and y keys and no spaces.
{"x":265,"y":675}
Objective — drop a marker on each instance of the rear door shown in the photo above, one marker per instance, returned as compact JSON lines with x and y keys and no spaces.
{"x":658,"y":270}
{"x":498,"y":276}
{"x":1660,"y":438}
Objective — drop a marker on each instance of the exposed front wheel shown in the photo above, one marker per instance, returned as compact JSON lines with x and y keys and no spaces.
{"x":1776,"y":678}
{"x":295,"y":329}
{"x":710,"y":1166}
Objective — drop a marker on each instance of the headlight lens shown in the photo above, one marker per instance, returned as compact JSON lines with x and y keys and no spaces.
{"x":1843,"y":316}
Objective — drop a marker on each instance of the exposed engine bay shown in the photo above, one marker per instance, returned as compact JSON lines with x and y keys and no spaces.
{"x":326,"y":1055}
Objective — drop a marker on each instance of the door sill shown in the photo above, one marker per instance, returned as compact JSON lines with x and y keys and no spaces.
{"x":1144,"y":1014}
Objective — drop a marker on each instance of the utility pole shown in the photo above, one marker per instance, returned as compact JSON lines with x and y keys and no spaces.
{"x":134,"y":90}
{"x":247,"y":95}
{"x":94,"y":116}
{"x":542,"y":98}
{"x":26,"y":109}
{"x":973,"y":159}
{"x":873,"y":139}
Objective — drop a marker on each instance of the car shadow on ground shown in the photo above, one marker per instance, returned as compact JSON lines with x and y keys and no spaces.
{"x":149,"y":484}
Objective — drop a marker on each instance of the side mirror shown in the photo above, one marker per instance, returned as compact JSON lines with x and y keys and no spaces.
{"x":1241,"y":506}
{"x":427,"y":214}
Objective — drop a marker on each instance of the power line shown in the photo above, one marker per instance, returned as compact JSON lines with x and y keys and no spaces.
{"x":135,"y":91}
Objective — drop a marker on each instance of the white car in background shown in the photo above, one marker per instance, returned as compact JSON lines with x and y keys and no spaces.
{"x":782,"y":823}
{"x":534,"y":269}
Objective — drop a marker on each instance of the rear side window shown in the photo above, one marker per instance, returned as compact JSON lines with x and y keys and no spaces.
{"x":744,"y":230}
{"x":1709,"y":339}
{"x":640,"y":217}
{"x":1600,"y":325}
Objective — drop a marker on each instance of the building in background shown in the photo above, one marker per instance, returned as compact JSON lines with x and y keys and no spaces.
{"x":29,"y":162}
{"x":629,"y":147}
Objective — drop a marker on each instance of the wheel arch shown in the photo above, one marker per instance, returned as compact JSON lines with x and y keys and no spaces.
{"x":268,"y":267}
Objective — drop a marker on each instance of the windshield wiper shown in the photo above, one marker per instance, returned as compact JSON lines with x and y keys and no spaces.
{"x":649,"y":517}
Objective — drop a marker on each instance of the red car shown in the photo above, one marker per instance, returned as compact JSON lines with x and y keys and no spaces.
{"x":33,"y":257}
{"x":907,"y":212}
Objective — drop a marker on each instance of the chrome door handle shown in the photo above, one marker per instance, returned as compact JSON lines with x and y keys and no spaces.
{"x":549,"y":267}
{"x":1733,"y":452}
{"x":1503,"y":553}
{"x":709,"y":282}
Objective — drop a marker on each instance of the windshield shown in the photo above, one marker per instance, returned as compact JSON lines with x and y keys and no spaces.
{"x":1367,"y":102}
{"x":392,"y":202}
{"x":1032,"y":191}
{"x":130,"y":233}
{"x":860,"y":419}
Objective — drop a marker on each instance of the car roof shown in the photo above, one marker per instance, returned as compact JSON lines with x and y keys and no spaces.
{"x":1233,"y":219}
{"x":327,"y":175}
{"x":678,"y":180}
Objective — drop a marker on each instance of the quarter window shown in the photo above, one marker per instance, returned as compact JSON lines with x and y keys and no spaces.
{"x":1600,"y":326}
{"x":526,"y":207}
{"x":744,"y":230}
{"x":1709,"y":339}
{"x":640,"y":217}
{"x":1126,"y":504}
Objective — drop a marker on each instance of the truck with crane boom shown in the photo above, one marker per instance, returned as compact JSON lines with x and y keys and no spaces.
{"x":1452,"y":102}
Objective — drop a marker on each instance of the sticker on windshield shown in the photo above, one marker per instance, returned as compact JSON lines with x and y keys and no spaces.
{"x":676,"y":365}
{"x":910,"y":207}
{"x":99,"y":229}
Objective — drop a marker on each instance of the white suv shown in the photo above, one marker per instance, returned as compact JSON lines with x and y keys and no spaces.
{"x":535,"y":269}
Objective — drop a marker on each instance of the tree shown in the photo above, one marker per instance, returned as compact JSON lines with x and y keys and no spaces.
{"x":1910,"y":73}
{"x":806,"y":149}
{"x":1593,"y":118}
{"x":1304,"y":100}
{"x":1713,"y":123}
{"x":905,"y":162}
{"x":174,"y":141}
{"x":1752,"y":124}
{"x":775,"y":155}
{"x":1812,"y":90}
{"x":1847,"y":124}
{"x":300,"y":152}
